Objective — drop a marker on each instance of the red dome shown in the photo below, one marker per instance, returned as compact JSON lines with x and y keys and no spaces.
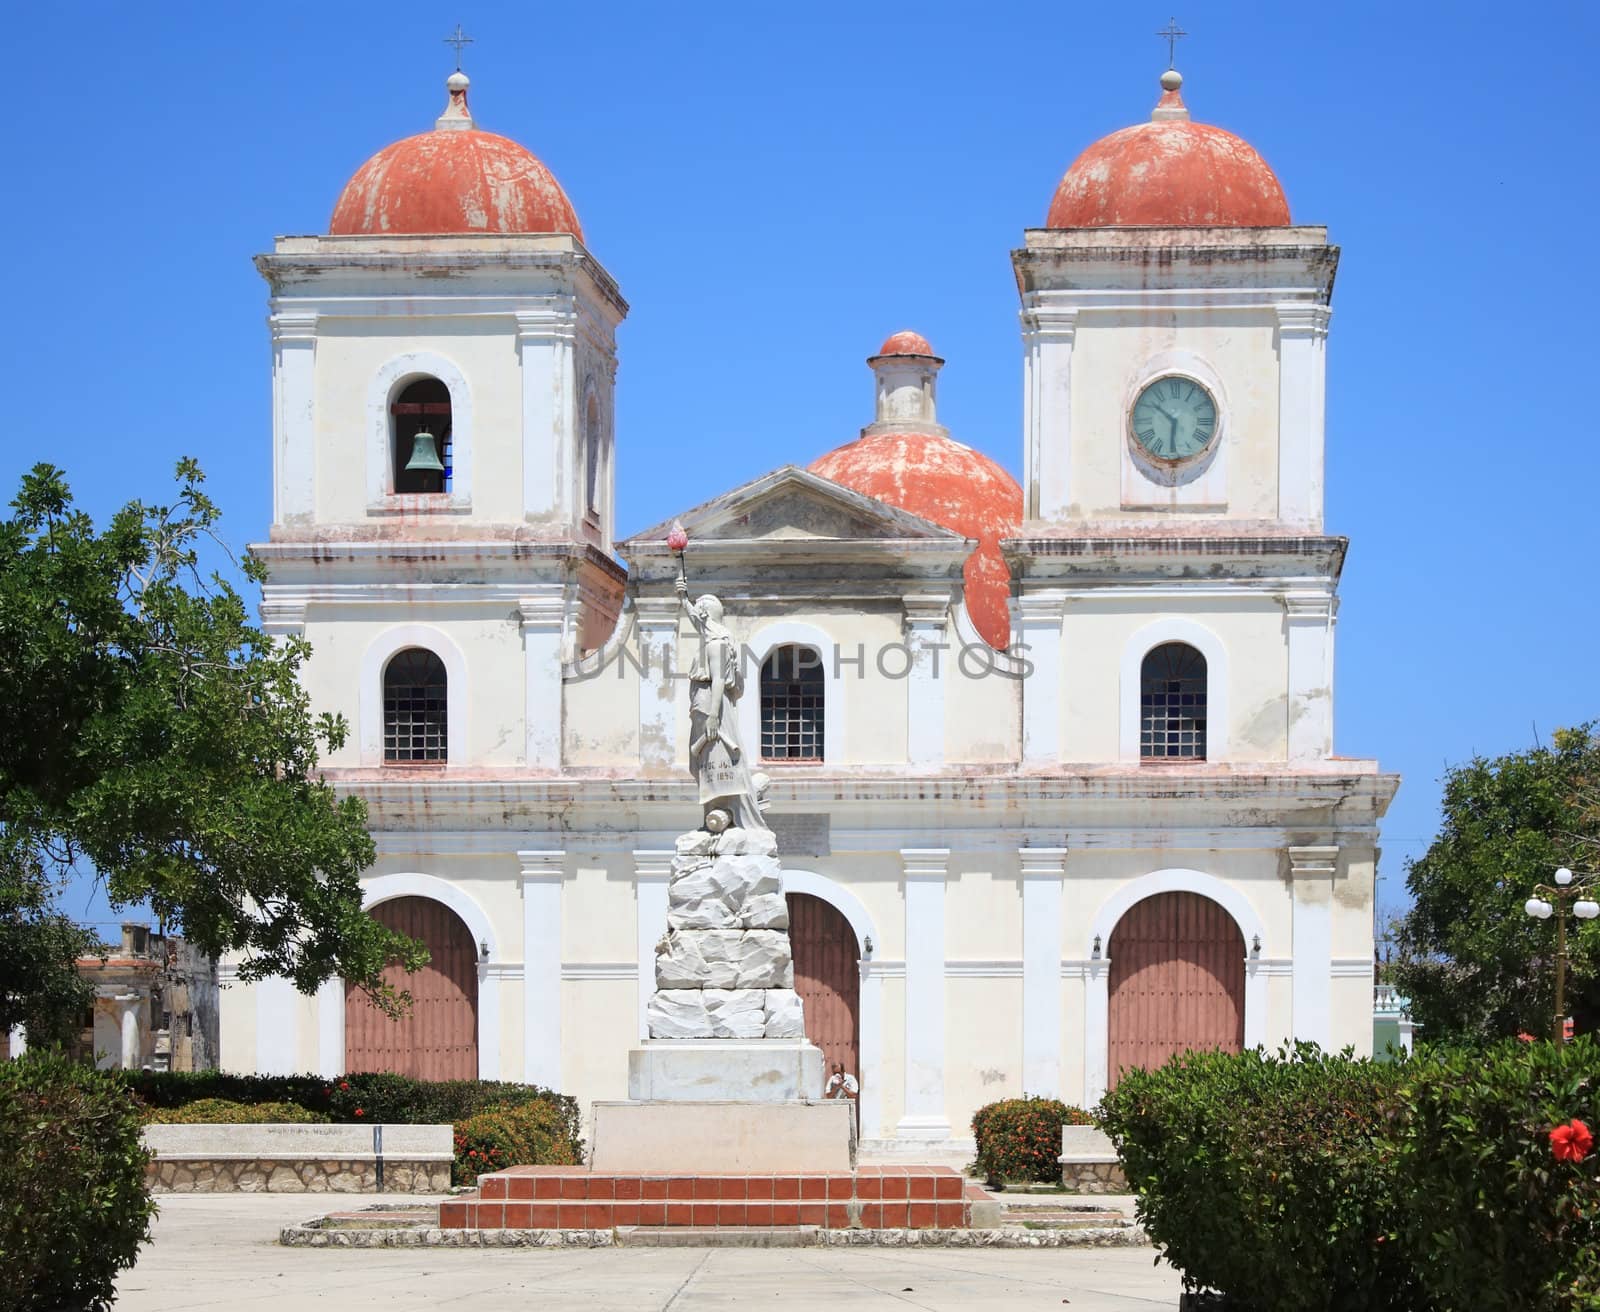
{"x":955,"y":487}
{"x":1170,"y":173}
{"x":905,"y":343}
{"x":455,"y":179}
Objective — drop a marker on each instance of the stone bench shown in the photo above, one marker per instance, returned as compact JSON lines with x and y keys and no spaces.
{"x":1089,"y":1162}
{"x":290,"y":1159}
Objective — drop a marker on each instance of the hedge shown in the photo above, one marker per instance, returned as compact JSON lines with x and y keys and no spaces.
{"x":545,"y":1127}
{"x":1020,"y":1138}
{"x":355,"y":1099}
{"x":73,"y":1205}
{"x":219,"y":1111}
{"x":531,"y":1134}
{"x":1318,"y":1182}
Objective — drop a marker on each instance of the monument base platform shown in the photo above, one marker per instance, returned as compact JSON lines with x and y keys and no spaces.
{"x":578,"y":1198}
{"x":693,"y":1138}
{"x":725,"y":1070}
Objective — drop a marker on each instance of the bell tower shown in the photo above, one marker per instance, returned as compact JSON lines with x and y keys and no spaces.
{"x":445,"y":356}
{"x":1174,"y":323}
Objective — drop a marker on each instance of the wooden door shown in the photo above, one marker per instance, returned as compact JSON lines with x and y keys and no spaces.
{"x":438,"y":1038}
{"x":827,"y":976}
{"x":1177,"y":981}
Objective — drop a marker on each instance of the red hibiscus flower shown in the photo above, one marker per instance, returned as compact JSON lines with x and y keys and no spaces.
{"x":1571,"y":1142}
{"x":359,"y":1112}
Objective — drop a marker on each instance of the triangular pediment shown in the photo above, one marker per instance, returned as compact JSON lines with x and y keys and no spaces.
{"x":796,"y":505}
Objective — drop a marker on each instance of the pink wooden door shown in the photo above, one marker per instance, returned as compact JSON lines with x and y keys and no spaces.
{"x":827,"y":977}
{"x":438,"y":1038}
{"x":1177,"y":981}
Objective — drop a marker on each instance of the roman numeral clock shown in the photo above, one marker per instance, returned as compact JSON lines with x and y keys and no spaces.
{"x":1174,"y":419}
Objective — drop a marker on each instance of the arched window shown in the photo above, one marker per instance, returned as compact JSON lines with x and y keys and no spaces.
{"x":1172,"y":703}
{"x":423,"y":406}
{"x":792,"y":704}
{"x":591,"y":455}
{"x":414,"y":696}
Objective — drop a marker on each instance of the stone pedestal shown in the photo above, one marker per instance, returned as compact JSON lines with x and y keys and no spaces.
{"x":726,"y":1070}
{"x":697,"y":1138}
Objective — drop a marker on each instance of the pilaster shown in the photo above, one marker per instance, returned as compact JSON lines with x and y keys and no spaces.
{"x":926,"y":869}
{"x":1311,"y":874}
{"x":657,"y":631}
{"x":1309,"y":621}
{"x":1048,"y":333}
{"x":294,"y":439}
{"x":1043,"y":879}
{"x":277,"y":1030}
{"x":542,"y":874}
{"x":1302,"y":380}
{"x":926,"y":629}
{"x":1096,"y":1026}
{"x":544,"y":620}
{"x":546,"y":349}
{"x":1041,"y":619}
{"x":652,"y":871}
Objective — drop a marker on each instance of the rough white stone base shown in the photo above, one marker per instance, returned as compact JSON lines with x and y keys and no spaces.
{"x":698,"y":1137}
{"x":728,"y":1070}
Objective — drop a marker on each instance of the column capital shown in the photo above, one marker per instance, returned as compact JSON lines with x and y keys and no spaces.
{"x":283,"y":618}
{"x":543,"y":865}
{"x":657,"y":612}
{"x":293,"y":327}
{"x":1043,"y":862}
{"x":1302,"y":319}
{"x":1041,"y":607}
{"x":925,"y":863}
{"x":1046,"y":322}
{"x":543,"y":613}
{"x":1313,"y":861}
{"x":652,"y":862}
{"x":926,"y":609}
{"x":1310,"y":607}
{"x":554,"y":320}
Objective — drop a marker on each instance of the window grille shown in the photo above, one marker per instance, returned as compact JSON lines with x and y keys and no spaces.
{"x":1172,"y":704}
{"x":424,"y":404}
{"x":414,"y":698}
{"x":792,"y":705}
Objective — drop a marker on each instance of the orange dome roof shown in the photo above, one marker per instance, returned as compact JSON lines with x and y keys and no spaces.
{"x":455,"y":179}
{"x":1170,"y":173}
{"x":954,"y":486}
{"x":905,"y":343}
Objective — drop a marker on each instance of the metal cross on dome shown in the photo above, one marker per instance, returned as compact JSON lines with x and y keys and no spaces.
{"x":458,"y":39}
{"x":1172,"y":32}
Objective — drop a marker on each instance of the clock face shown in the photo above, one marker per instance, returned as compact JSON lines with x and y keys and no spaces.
{"x":1174,"y":418}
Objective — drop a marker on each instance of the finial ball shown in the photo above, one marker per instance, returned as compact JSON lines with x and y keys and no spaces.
{"x":458,"y":81}
{"x":1171,"y":80}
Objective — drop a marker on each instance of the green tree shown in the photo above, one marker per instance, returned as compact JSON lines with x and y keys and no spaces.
{"x":155,"y":736}
{"x":1474,"y":965}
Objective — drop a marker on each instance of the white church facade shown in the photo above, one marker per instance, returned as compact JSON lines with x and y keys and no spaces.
{"x":1051,"y":764}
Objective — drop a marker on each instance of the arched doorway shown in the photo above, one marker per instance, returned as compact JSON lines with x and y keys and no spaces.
{"x":1177,"y":982}
{"x":827,"y":976}
{"x":438,"y":1038}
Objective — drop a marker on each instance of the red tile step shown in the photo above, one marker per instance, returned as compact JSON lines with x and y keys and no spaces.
{"x":576,"y":1198}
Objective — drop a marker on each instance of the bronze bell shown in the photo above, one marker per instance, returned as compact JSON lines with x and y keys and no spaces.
{"x":424,"y":455}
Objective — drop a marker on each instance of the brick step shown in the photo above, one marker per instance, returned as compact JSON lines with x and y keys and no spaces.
{"x":575,"y":1198}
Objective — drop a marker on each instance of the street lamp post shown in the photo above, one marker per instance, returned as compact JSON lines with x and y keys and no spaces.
{"x":1547,"y":901}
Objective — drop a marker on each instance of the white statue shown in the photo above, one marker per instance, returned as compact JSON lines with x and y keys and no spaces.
{"x":716,"y":758}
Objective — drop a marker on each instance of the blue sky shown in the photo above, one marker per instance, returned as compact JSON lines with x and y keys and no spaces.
{"x":778,"y":189}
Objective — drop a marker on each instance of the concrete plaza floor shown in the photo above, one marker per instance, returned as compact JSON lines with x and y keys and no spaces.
{"x":220,"y":1251}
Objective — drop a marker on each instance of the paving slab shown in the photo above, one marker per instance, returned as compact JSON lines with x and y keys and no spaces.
{"x":221,"y":1251}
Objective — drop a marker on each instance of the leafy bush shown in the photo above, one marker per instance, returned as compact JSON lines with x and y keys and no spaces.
{"x":1020,"y":1138}
{"x":1269,"y":1178}
{"x":219,"y":1111}
{"x":360,"y":1098}
{"x":1496,"y":1219}
{"x":533,"y":1134}
{"x":73,"y":1205}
